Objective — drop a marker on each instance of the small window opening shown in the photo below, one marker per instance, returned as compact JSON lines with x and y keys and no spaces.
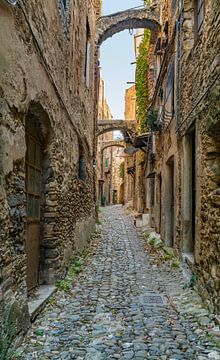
{"x":166,"y":28}
{"x":170,"y":92}
{"x":199,"y":15}
{"x":166,"y":32}
{"x":82,"y":167}
{"x":87,"y":54}
{"x":82,"y":170}
{"x":64,"y":4}
{"x":158,"y":48}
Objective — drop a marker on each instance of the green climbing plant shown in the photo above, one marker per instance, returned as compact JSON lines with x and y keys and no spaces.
{"x":142,"y":91}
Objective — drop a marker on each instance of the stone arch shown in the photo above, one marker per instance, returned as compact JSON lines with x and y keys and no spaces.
{"x":111,"y":144}
{"x":110,"y":129}
{"x":37,"y":111}
{"x":109,"y":25}
{"x":105,"y":126}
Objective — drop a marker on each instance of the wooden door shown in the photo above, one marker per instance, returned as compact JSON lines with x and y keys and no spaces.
{"x":33,"y":192}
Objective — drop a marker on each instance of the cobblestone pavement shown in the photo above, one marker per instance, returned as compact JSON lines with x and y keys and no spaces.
{"x":121,"y":307}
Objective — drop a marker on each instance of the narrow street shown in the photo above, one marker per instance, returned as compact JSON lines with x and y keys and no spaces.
{"x":122,"y":307}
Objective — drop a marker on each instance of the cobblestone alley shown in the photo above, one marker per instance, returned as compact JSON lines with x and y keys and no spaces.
{"x":123,"y":307}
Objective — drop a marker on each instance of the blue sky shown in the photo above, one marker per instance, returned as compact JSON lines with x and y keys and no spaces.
{"x":116,"y":55}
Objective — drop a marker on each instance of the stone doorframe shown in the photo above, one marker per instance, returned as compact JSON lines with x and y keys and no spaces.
{"x":48,"y":211}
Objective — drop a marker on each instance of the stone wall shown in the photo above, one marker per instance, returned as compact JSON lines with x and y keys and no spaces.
{"x":102,"y":171}
{"x":42,"y":76}
{"x":130,"y":103}
{"x":200,"y":106}
{"x":197,"y":94}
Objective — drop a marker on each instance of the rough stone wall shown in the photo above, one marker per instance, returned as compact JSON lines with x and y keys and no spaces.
{"x":117,"y":159}
{"x":104,"y":113}
{"x":164,"y":150}
{"x":130,"y":103}
{"x":197,"y":78}
{"x":200,"y":105}
{"x":140,"y":176}
{"x":42,"y":75}
{"x":129,"y":180}
{"x":98,"y":7}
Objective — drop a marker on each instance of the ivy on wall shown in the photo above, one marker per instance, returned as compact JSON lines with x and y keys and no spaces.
{"x":142,"y":79}
{"x":142,"y":82}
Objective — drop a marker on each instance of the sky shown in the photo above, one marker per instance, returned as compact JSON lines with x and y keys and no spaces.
{"x":116,"y":55}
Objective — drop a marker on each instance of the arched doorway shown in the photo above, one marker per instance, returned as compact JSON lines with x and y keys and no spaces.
{"x":36,"y":132}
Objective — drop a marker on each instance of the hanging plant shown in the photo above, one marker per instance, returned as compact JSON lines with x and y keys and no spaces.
{"x":152,"y":120}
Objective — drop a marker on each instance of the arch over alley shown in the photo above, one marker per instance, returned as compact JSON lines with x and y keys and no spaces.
{"x":129,"y":19}
{"x":120,"y":143}
{"x":104,"y":126}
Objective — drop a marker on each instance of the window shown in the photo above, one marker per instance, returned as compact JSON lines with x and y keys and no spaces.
{"x":64,"y":3}
{"x":82,"y":168}
{"x":199,"y":15}
{"x":87,"y":55}
{"x":63,"y":7}
{"x":169,"y":92}
{"x":173,"y":6}
{"x":158,"y":53}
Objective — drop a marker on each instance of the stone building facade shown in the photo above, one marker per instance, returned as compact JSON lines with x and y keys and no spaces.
{"x":185,"y":155}
{"x":198,"y":134}
{"x":47,"y":146}
{"x":129,"y":159}
{"x":104,"y":154}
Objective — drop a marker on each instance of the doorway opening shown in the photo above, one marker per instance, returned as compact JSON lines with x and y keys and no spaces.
{"x":34,"y":157}
{"x":189,"y":196}
{"x":36,"y":133}
{"x":169,"y":226}
{"x":115,"y":197}
{"x":160,"y":203}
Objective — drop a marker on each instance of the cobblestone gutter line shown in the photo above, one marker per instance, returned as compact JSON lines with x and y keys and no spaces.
{"x":122,"y":306}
